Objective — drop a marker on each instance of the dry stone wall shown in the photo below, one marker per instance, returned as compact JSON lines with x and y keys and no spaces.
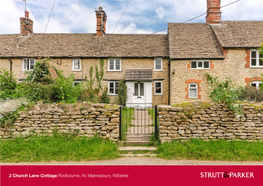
{"x":99,"y":119}
{"x":211,"y":122}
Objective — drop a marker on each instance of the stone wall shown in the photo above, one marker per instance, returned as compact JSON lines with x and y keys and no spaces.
{"x":209,"y":122}
{"x":99,"y":119}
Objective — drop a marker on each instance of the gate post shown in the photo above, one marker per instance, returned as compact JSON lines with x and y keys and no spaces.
{"x":120,"y":125}
{"x":156,"y":121}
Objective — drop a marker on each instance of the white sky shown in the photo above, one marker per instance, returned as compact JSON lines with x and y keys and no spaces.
{"x":141,"y":16}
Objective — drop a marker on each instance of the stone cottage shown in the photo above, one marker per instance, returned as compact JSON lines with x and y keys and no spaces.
{"x":158,"y":69}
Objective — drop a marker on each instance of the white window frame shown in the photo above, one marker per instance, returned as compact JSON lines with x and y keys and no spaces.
{"x":23,"y":64}
{"x":257,"y":58}
{"x":257,"y":83}
{"x":114,"y":93}
{"x":193,"y":88}
{"x":203,"y":64}
{"x":155,"y":64}
{"x":155,"y":88}
{"x":114,"y":64}
{"x":73,"y":65}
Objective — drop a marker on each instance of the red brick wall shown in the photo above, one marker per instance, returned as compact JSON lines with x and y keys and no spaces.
{"x":248,"y":80}
{"x":247,"y":65}
{"x":213,"y":12}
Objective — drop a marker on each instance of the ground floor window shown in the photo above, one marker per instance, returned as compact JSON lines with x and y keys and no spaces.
{"x":256,"y":84}
{"x":158,"y":88}
{"x":28,"y":64}
{"x":113,"y":88}
{"x":193,"y":90}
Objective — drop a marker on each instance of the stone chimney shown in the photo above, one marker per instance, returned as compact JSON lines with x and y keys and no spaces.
{"x":213,"y":15}
{"x":101,"y":21}
{"x":26,"y":25}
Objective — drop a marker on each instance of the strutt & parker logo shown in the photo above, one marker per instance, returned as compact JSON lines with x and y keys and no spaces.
{"x":226,"y":174}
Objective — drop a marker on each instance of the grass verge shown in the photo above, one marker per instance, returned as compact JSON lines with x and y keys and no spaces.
{"x":212,"y":150}
{"x":56,"y":148}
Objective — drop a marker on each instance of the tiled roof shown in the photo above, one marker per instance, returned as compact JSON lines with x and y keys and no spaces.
{"x":139,"y":74}
{"x":192,"y":40}
{"x":84,"y":45}
{"x":239,"y":33}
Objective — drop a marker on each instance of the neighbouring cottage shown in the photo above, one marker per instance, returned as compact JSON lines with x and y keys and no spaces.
{"x":158,"y":69}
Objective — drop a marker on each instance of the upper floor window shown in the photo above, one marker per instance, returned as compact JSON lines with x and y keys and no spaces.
{"x":200,"y":64}
{"x":256,"y":59}
{"x":255,"y":84}
{"x":158,"y":64}
{"x":193,"y":90}
{"x":28,"y":64}
{"x":114,"y":64}
{"x":76,"y":65}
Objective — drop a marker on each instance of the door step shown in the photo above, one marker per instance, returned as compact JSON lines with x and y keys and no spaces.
{"x":138,"y":155}
{"x":137,"y":148}
{"x":127,"y":143}
{"x":138,"y":138}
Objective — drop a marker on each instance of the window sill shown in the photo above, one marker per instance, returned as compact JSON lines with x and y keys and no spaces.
{"x":158,"y":94}
{"x":112,"y":94}
{"x":76,"y":71}
{"x":256,"y":67}
{"x":199,"y":68}
{"x":157,"y":70}
{"x":114,"y":70}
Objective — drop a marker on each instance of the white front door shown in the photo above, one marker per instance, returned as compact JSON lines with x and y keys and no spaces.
{"x":139,"y":94}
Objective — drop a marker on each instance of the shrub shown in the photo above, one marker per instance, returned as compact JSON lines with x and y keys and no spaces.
{"x":104,"y":98}
{"x":226,"y":92}
{"x":89,"y":95}
{"x":65,"y":89}
{"x":40,"y":73}
{"x":251,"y":94}
{"x":122,"y":92}
{"x":7,"y":84}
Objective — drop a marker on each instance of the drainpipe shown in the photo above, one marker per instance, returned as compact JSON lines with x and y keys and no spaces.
{"x":11,"y":63}
{"x":169,"y":77}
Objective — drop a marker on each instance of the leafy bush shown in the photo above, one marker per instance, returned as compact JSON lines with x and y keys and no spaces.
{"x":65,"y":89}
{"x":40,"y":73}
{"x":226,"y":92}
{"x":89,"y":95}
{"x":251,"y":94}
{"x":122,"y":92}
{"x":7,"y":84}
{"x":100,"y":74}
{"x":104,"y":98}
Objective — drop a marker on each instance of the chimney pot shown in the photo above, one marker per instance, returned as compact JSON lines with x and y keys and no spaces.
{"x":26,"y":14}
